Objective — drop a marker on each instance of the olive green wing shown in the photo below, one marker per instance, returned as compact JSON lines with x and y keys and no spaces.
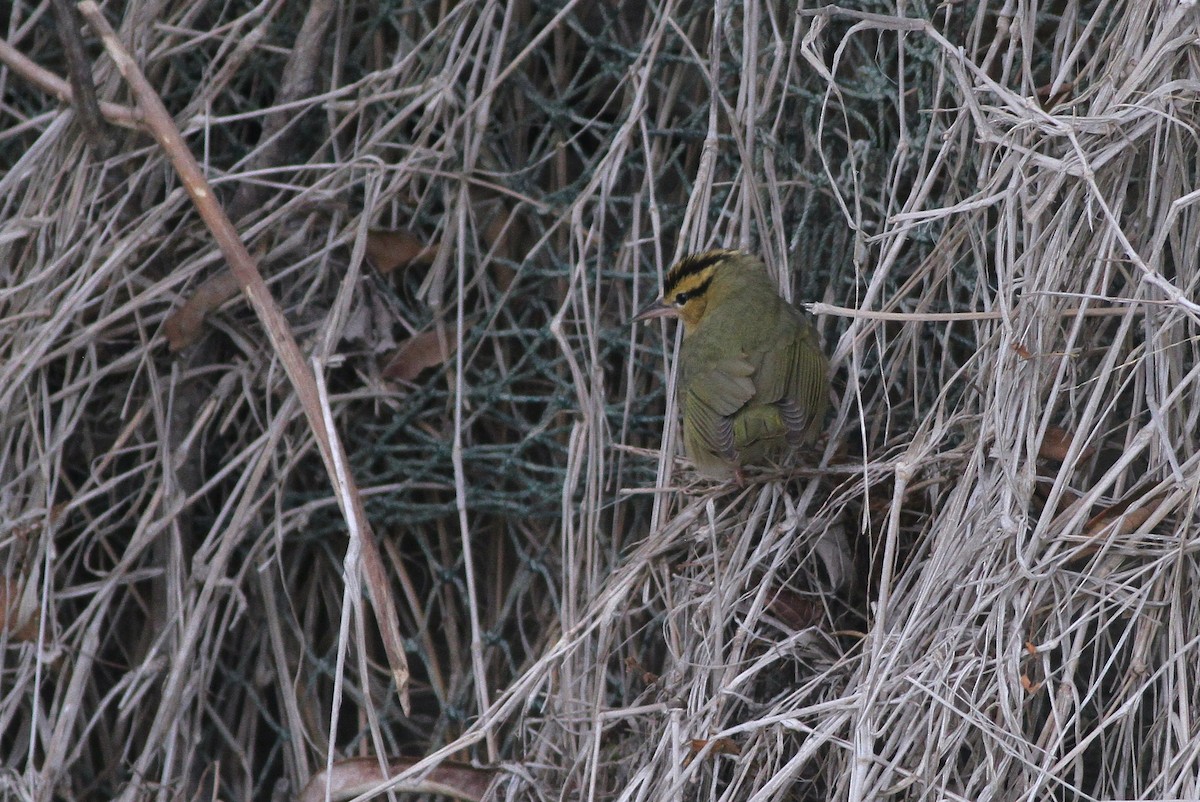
{"x":793,"y":374}
{"x":711,"y":391}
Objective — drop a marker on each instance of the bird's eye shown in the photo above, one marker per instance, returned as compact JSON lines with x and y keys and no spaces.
{"x":682,"y":298}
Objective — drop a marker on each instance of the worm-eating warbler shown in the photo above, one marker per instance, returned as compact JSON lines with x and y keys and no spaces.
{"x":753,"y":383}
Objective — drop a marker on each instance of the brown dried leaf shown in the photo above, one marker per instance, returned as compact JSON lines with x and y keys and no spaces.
{"x":497,"y":234}
{"x":1114,"y":521}
{"x":795,"y":611}
{"x":370,"y":321}
{"x":425,"y":350}
{"x":648,"y":677}
{"x":390,"y":249}
{"x":1126,"y":522}
{"x":721,"y":746}
{"x":1048,"y":98}
{"x":1057,"y":443}
{"x":19,"y":613}
{"x":182,"y":327}
{"x":502,"y":235}
{"x":353,"y":777}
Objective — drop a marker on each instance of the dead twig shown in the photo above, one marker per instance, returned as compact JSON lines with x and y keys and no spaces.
{"x":251,"y":281}
{"x":49,"y":82}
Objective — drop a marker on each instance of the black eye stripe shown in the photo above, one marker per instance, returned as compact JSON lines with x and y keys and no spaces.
{"x":695,"y":292}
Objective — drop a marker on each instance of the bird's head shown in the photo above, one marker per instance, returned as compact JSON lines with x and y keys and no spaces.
{"x":686,"y":289}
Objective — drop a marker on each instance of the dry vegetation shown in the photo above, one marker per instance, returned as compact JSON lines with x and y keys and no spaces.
{"x":982,"y":587}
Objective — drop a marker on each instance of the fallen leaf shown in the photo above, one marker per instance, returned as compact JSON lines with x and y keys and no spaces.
{"x":504,"y":235}
{"x":648,"y":677}
{"x":425,"y":350}
{"x":721,"y":746}
{"x":370,"y":321}
{"x":1125,"y":522}
{"x":354,"y":777}
{"x":1057,"y":443}
{"x":390,"y":249}
{"x":182,"y":327}
{"x":1048,"y":98}
{"x":19,"y":612}
{"x":1113,"y":521}
{"x":794,"y":610}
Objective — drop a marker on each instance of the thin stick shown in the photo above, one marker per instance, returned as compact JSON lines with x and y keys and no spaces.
{"x":82,"y":87}
{"x":952,"y":317}
{"x":160,"y":124}
{"x":47,"y":81}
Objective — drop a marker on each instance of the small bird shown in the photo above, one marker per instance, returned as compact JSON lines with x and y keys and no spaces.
{"x":753,"y":382}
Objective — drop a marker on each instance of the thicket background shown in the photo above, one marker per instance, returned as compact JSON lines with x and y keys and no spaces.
{"x":981,"y":586}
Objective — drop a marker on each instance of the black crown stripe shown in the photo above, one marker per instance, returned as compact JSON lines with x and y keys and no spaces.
{"x":691,"y":265}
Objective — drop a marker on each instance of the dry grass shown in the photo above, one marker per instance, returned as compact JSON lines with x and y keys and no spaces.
{"x":982,"y":588}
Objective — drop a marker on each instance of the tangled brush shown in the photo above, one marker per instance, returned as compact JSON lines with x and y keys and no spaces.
{"x":415,"y":510}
